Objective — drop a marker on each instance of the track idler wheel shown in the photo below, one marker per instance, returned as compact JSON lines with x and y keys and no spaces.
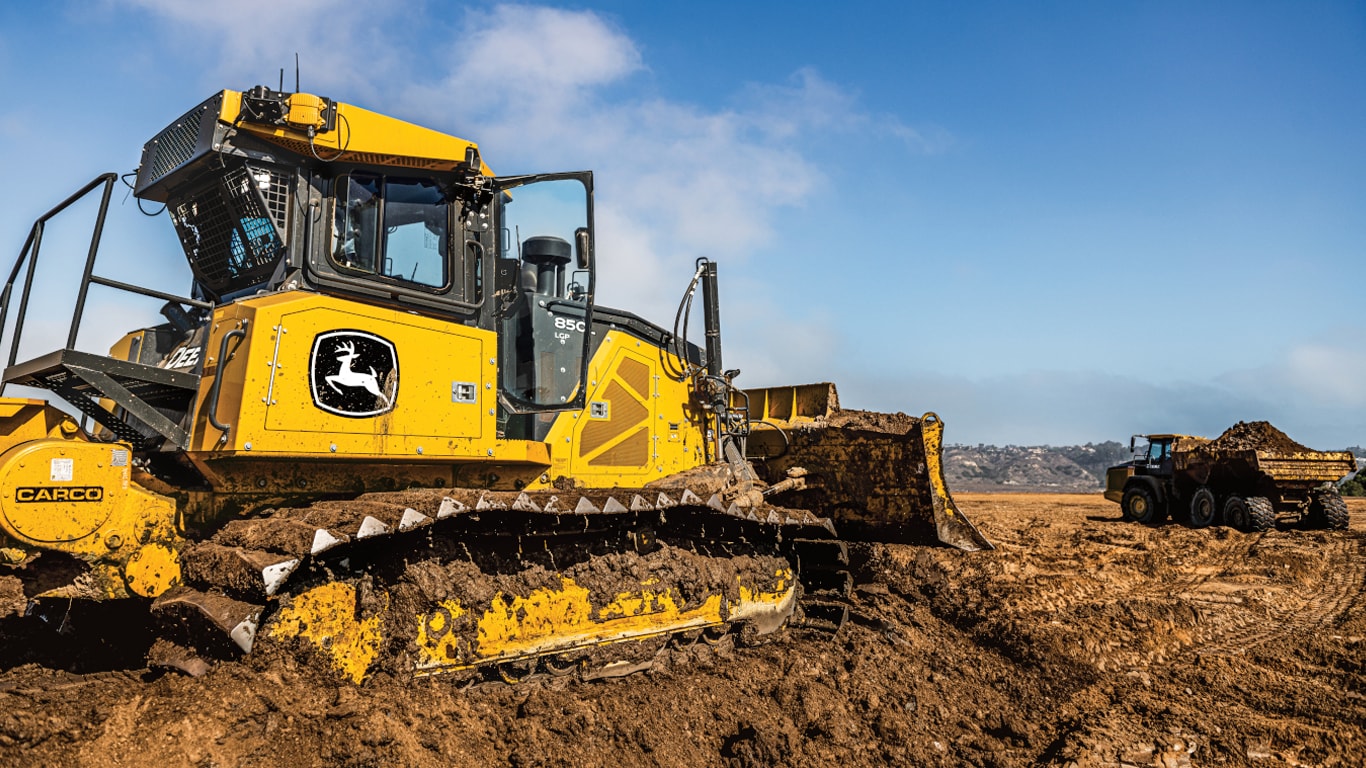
{"x":564,"y":666}
{"x":513,"y":672}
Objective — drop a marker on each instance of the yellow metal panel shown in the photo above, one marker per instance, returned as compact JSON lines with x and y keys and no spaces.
{"x":267,"y":395}
{"x":1115,"y":478}
{"x":651,"y":431}
{"x":25,"y":418}
{"x":73,"y":496}
{"x":236,"y":371}
{"x":361,"y":136}
{"x":430,"y":362}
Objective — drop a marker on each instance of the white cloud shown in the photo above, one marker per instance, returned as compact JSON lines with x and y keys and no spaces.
{"x":541,"y":58}
{"x":809,"y":102}
{"x":342,"y":46}
{"x":1318,"y":373}
{"x":552,"y":89}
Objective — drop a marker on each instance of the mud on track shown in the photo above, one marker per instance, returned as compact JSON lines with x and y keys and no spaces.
{"x":1081,"y":640}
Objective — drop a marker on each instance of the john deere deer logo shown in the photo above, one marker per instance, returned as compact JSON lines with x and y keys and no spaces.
{"x":353,"y":373}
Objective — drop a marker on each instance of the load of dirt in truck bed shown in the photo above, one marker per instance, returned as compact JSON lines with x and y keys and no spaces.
{"x":1082,"y":641}
{"x":1255,"y":436}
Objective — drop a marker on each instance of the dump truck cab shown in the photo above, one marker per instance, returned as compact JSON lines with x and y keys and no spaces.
{"x":1144,"y":485}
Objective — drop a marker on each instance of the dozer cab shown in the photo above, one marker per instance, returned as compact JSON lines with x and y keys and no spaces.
{"x":390,"y":427}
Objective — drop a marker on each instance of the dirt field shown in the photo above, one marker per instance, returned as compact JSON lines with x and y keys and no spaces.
{"x":1082,"y":640}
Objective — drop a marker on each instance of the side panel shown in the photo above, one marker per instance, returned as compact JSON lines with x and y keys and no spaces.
{"x":639,"y":425}
{"x":354,"y":371}
{"x":319,"y":375}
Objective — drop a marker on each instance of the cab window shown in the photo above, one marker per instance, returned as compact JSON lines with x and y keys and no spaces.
{"x":397,"y":228}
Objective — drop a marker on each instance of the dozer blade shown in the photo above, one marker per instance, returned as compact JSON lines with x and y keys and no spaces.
{"x":879,"y":476}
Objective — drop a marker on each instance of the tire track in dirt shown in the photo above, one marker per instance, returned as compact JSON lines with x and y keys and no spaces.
{"x":1190,"y":591}
{"x":1111,"y":568}
{"x":1214,"y":561}
{"x":1310,"y":607}
{"x":1209,"y":558}
{"x":1229,"y":624}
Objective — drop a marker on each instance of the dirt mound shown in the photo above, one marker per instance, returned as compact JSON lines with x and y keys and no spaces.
{"x":873,"y":421}
{"x":1255,"y":436}
{"x":1082,"y":641}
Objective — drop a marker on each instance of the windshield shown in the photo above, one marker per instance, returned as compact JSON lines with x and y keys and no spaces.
{"x":392,"y":227}
{"x":1159,"y":451}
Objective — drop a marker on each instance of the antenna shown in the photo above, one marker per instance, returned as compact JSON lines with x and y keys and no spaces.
{"x":296,"y":71}
{"x":282,"y":78}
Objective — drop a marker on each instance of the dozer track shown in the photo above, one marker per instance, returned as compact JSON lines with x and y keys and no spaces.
{"x":433,"y":581}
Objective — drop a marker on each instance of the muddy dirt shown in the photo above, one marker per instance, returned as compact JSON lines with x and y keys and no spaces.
{"x":1255,"y":436}
{"x":1081,"y":640}
{"x":873,"y":421}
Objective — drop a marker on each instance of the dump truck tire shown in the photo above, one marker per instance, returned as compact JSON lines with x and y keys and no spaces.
{"x":1140,"y":506}
{"x":1332,"y":511}
{"x":1261,"y":516}
{"x":1203,"y":508}
{"x":1235,"y":513}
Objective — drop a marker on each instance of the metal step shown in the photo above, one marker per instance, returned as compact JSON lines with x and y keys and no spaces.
{"x":144,"y":392}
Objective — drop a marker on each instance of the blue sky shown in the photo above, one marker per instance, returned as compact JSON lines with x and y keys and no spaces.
{"x":1047,"y":222}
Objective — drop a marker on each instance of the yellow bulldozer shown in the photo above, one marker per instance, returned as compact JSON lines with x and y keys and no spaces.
{"x":390,"y":428}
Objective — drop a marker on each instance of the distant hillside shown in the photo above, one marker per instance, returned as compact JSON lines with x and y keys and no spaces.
{"x":1069,"y":469}
{"x":1044,"y":468}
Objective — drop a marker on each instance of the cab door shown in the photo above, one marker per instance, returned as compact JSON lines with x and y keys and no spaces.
{"x":545,"y":311}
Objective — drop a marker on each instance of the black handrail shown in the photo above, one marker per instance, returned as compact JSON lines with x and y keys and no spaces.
{"x":31,"y":246}
{"x":30,"y":252}
{"x":89,"y":262}
{"x":97,"y":280}
{"x":218,"y":381}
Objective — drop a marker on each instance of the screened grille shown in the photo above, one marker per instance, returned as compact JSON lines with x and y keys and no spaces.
{"x":274,"y":189}
{"x":232,"y":232}
{"x":174,"y":145}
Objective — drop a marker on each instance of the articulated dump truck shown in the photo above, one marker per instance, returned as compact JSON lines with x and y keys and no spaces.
{"x":1248,"y":478}
{"x":390,"y":429}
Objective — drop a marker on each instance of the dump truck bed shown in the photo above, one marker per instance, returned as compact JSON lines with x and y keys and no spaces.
{"x":1300,"y":468}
